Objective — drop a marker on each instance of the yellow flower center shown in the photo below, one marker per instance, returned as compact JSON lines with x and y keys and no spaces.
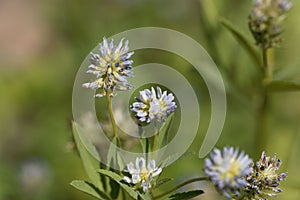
{"x":144,"y":174}
{"x":268,"y":173}
{"x":232,"y":172}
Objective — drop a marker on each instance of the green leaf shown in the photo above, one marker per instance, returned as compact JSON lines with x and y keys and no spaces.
{"x":112,"y":151}
{"x":90,"y":163}
{"x":114,"y":186}
{"x":89,"y":188}
{"x":283,"y":86}
{"x":287,"y":73}
{"x":103,"y":178}
{"x":115,"y":189}
{"x":162,"y":181}
{"x":186,"y":195}
{"x":113,"y":156}
{"x":144,"y":142}
{"x":163,"y":132}
{"x":118,"y":179}
{"x":243,"y":40}
{"x":175,"y":158}
{"x":121,"y":162}
{"x":145,"y":196}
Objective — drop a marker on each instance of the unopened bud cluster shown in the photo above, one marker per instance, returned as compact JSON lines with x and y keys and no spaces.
{"x":265,"y":179}
{"x":265,"y":21}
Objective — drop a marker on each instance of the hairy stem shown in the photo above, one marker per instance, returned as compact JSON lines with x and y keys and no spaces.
{"x":181,"y":185}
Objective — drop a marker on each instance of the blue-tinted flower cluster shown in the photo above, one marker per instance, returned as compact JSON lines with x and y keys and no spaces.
{"x":228,"y":169}
{"x":152,"y":105}
{"x":111,"y":67}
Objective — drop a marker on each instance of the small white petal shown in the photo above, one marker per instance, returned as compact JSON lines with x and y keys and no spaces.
{"x":130,"y":168}
{"x":127,"y":179}
{"x":136,"y":178}
{"x":140,"y":163}
{"x":157,"y":172}
{"x":151,"y":165}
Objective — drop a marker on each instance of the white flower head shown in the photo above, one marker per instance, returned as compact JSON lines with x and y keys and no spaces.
{"x":152,"y":105}
{"x":142,"y":175}
{"x":228,"y":169}
{"x":111,"y":67}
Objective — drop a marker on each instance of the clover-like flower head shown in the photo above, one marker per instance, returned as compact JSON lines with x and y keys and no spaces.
{"x":141,"y":175}
{"x":111,"y":67}
{"x":228,"y":169}
{"x":265,"y":179}
{"x":153,"y":106}
{"x":265,"y":21}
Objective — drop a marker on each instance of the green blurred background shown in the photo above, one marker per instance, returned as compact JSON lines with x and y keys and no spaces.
{"x":42,"y":44}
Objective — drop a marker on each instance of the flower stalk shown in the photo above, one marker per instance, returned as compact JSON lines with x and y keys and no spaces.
{"x":111,"y":114}
{"x":155,"y":137}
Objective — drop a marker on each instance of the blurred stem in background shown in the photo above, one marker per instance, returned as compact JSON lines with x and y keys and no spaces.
{"x":262,"y":135}
{"x":264,"y":23}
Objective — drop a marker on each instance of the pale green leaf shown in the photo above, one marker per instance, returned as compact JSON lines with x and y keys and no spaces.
{"x":243,"y":40}
{"x":186,"y":195}
{"x":89,"y":188}
{"x":145,"y":196}
{"x":162,"y":182}
{"x":112,"y":151}
{"x":283,"y":86}
{"x":163,"y":132}
{"x":287,"y":73}
{"x":118,"y":179}
{"x":90,"y":163}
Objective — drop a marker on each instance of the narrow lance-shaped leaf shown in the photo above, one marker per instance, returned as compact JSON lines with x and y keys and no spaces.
{"x":163,"y":132}
{"x":112,"y":151}
{"x":243,"y":40}
{"x":114,"y":186}
{"x":186,"y":195}
{"x":145,"y":196}
{"x":287,"y":73}
{"x":118,"y":179}
{"x":90,"y":163}
{"x":112,"y":158}
{"x":162,"y":182}
{"x":283,"y":86}
{"x":89,"y":189}
{"x":115,"y":189}
{"x":103,"y":178}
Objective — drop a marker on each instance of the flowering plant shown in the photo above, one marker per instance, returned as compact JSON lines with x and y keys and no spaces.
{"x":233,"y":173}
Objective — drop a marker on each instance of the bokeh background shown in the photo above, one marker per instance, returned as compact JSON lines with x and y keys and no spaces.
{"x":42,"y":44}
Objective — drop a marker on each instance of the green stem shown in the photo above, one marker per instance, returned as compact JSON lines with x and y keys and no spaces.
{"x":181,"y":185}
{"x":154,"y":147}
{"x":111,"y":114}
{"x":266,"y":66}
{"x":261,"y":137}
